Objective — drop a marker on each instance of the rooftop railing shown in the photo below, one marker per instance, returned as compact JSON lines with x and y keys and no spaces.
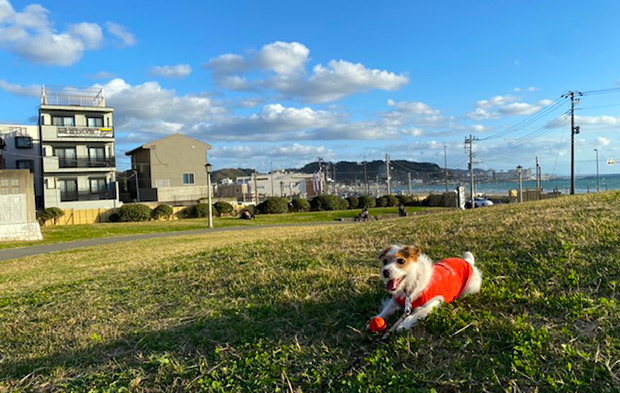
{"x":72,"y":96}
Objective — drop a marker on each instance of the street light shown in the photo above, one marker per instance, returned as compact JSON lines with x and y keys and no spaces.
{"x":597,"y":182}
{"x":208,"y":167}
{"x":519,"y":172}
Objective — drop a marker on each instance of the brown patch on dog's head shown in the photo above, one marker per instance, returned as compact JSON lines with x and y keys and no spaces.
{"x":406,"y":256}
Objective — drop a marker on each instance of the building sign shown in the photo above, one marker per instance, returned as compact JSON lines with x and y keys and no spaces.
{"x":85,"y":132}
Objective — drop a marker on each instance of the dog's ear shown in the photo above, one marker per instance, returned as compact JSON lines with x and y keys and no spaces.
{"x":412,"y":252}
{"x":384,"y":252}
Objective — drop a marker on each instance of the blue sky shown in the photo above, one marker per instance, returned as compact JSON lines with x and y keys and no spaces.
{"x":285,"y":82}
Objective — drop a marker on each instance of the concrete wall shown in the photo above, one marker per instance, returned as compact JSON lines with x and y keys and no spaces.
{"x":17,"y":206}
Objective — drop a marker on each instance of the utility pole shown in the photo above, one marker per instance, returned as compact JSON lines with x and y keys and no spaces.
{"x":409,"y":178}
{"x":597,"y":182}
{"x":519,"y":174}
{"x":445,"y":164}
{"x":320,"y":176}
{"x":255,"y":187}
{"x":573,"y":131}
{"x":538,"y":179}
{"x":389,"y":178}
{"x":334,"y":179}
{"x":366,"y":177}
{"x":273,"y":191}
{"x":470,"y":141}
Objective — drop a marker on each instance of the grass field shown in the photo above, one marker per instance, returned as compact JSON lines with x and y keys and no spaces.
{"x":64,"y":233}
{"x":284,"y":309}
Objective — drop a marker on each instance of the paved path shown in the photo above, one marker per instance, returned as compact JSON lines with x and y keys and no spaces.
{"x":12,"y":253}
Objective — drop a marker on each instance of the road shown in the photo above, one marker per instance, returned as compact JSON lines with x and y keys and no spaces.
{"x":13,"y":253}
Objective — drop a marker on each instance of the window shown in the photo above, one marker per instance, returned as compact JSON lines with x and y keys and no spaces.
{"x":25,"y":164}
{"x":94,"y":121}
{"x":66,"y":157}
{"x":23,"y":142}
{"x":98,"y":185}
{"x":96,"y":156}
{"x":63,"y":121}
{"x":68,"y":189}
{"x":188,"y":178}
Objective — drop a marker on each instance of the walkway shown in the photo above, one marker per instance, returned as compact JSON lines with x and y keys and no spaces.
{"x":12,"y":253}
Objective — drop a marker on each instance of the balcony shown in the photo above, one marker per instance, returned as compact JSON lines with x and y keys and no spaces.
{"x":86,"y":162}
{"x":87,"y":195}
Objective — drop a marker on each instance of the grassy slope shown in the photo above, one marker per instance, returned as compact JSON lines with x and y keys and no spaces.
{"x":285,"y":309}
{"x":64,"y":233}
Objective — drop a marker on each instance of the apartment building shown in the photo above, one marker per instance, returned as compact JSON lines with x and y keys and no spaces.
{"x":20,"y":148}
{"x":76,"y":134}
{"x":170,"y":170}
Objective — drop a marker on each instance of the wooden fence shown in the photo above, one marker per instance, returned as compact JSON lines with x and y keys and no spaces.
{"x":93,"y":216}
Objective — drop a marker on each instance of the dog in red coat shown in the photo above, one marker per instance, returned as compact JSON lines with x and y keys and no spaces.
{"x":418,"y":285}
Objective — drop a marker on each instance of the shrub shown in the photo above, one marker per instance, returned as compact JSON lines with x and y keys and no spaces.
{"x":366,"y":201}
{"x":114,"y":217}
{"x":391,"y":200}
{"x":353,"y":201}
{"x":273,"y":205}
{"x":199,"y":210}
{"x":162,"y":211}
{"x":134,"y":212}
{"x":300,"y":205}
{"x":328,"y":202}
{"x":223,"y":208}
{"x":404,"y":199}
{"x":51,"y":213}
{"x":381,"y":201}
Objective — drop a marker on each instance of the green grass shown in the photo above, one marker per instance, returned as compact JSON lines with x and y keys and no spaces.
{"x":65,"y":233}
{"x":284,"y":309}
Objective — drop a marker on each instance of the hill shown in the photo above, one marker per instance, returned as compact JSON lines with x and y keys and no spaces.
{"x":284,"y":309}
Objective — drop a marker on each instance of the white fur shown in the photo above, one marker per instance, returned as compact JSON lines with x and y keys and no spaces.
{"x":414,"y":280}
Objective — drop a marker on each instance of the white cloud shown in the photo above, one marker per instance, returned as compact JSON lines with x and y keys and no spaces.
{"x":498,"y":106}
{"x":281,"y":66}
{"x":283,"y":57}
{"x":122,"y":33}
{"x":27,"y":91}
{"x":287,"y":151}
{"x":151,"y":109}
{"x":172,"y":71}
{"x":102,"y":75}
{"x":90,"y":33}
{"x":30,"y":35}
{"x":602,"y":141}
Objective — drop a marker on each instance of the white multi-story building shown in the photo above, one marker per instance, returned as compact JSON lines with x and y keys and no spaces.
{"x":77,"y":143}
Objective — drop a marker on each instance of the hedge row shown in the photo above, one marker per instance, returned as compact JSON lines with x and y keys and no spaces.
{"x":135,"y":212}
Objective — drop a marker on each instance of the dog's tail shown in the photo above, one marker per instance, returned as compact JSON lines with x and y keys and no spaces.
{"x":469,"y":257}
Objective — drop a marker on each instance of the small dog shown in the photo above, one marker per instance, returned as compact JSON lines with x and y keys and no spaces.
{"x":419,"y":286}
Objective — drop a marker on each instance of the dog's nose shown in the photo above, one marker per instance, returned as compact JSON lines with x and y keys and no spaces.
{"x":386,"y":273}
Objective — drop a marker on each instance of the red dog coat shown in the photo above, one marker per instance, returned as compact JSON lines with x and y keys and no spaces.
{"x":449,"y":279}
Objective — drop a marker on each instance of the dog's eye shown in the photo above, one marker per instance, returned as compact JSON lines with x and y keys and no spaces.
{"x":400,"y":261}
{"x":385,"y":261}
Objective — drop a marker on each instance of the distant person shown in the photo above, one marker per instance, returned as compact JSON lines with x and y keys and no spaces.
{"x":246,"y":215}
{"x":363,"y":215}
{"x":401,"y":210}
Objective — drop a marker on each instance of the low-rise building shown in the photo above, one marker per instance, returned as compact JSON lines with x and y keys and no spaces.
{"x":20,"y":148}
{"x":170,"y":170}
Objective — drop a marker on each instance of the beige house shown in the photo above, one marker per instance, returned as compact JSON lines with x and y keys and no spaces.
{"x":170,"y":170}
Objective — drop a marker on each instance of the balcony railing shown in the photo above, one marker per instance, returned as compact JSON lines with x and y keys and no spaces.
{"x":86,"y":162}
{"x":87,"y":196}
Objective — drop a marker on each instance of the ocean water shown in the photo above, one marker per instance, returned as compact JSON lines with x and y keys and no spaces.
{"x":582,"y":185}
